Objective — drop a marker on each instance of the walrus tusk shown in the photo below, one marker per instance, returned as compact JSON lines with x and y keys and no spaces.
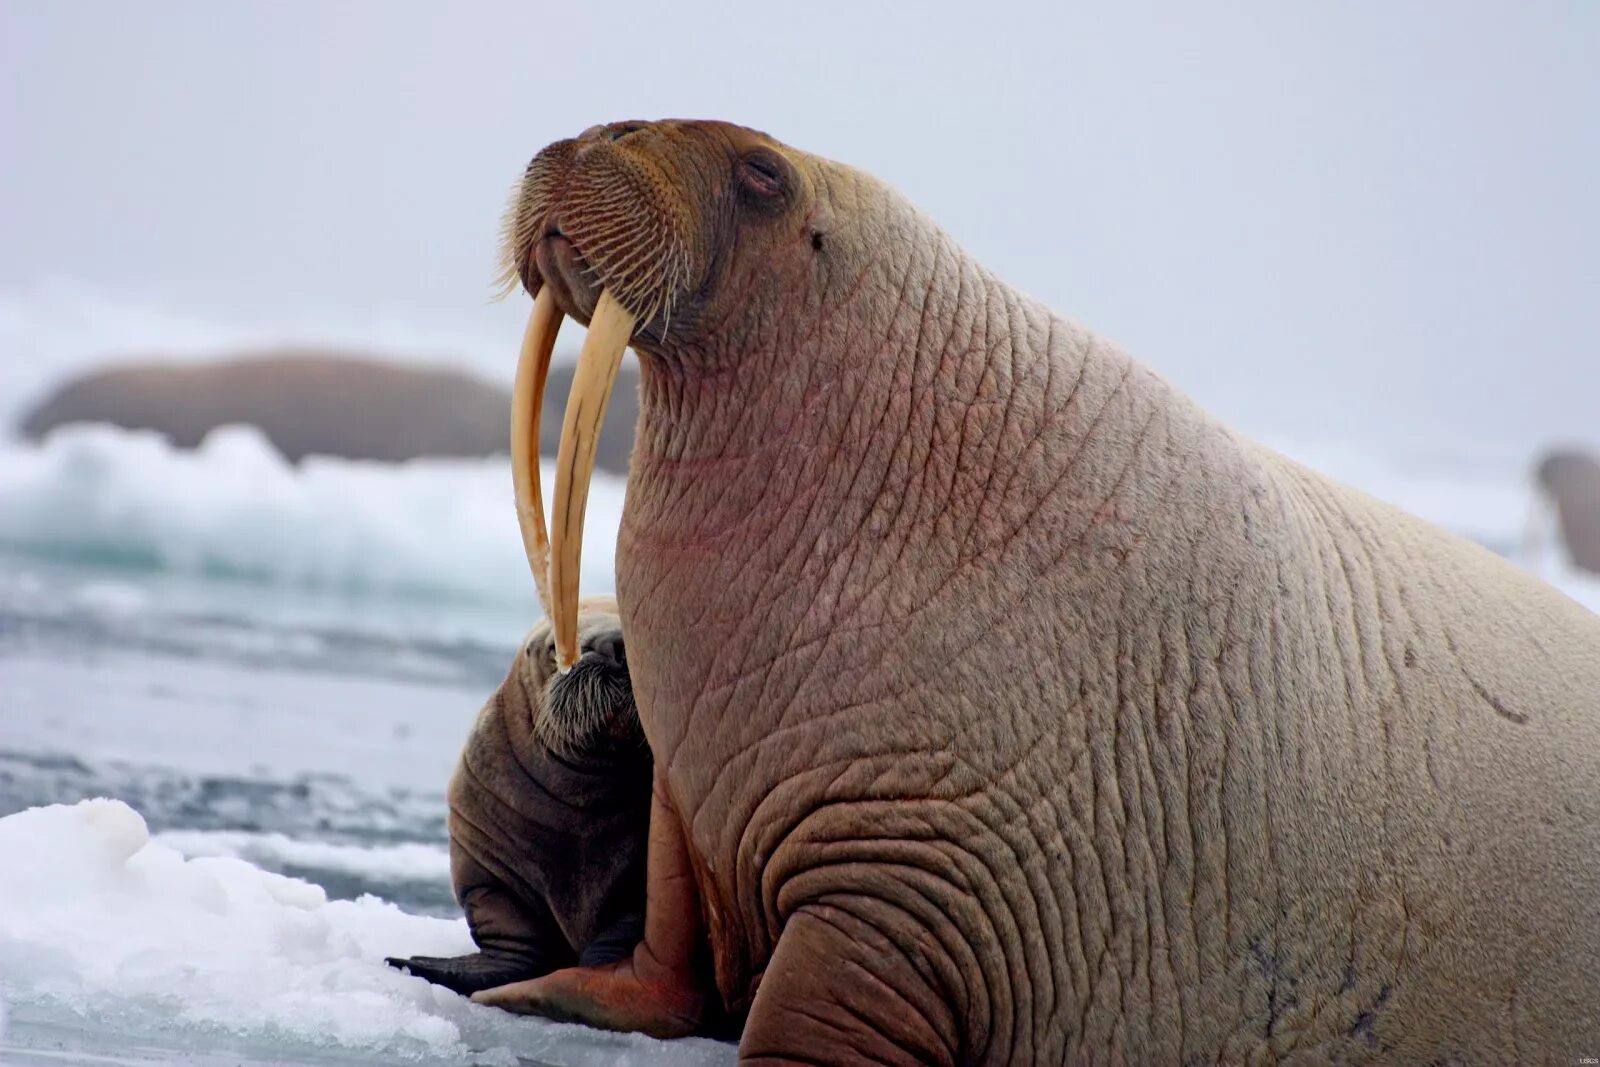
{"x":610,"y":328}
{"x":527,"y":402}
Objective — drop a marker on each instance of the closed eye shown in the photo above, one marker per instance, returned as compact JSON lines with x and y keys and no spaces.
{"x":762,"y":176}
{"x":765,"y":168}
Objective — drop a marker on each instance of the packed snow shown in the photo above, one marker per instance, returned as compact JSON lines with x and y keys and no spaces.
{"x":106,"y":927}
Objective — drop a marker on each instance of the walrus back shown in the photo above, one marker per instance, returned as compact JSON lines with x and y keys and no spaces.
{"x":1481,"y":694}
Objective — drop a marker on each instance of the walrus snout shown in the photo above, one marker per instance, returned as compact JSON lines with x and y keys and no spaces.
{"x":622,"y":228}
{"x":562,"y":267}
{"x":608,"y":131}
{"x":608,"y":648}
{"x":589,"y":709}
{"x":626,"y":209}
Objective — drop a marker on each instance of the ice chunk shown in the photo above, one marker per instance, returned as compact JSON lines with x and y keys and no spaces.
{"x":235,"y":507}
{"x":101,"y":924}
{"x":407,"y":860}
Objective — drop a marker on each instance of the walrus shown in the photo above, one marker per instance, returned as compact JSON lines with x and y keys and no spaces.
{"x":1571,"y":479}
{"x":549,"y":815}
{"x":1007,"y":707}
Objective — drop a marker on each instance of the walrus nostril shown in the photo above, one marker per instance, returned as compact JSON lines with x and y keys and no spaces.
{"x":621,"y":130}
{"x":608,"y":647}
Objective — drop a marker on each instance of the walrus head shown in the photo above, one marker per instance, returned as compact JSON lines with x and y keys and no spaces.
{"x":664,"y":236}
{"x":587,"y":711}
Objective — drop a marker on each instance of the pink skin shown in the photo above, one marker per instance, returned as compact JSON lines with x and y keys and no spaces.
{"x":1007,"y":708}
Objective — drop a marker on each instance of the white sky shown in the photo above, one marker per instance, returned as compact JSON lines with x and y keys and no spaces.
{"x":1369,"y":221}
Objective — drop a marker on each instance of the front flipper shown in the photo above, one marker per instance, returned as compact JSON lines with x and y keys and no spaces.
{"x":656,"y":989}
{"x":473,"y":972}
{"x":839,"y":991}
{"x":614,"y":943}
{"x":618,"y":996}
{"x":517,"y":937}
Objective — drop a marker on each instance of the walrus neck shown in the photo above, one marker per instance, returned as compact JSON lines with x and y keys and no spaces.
{"x":821,"y":395}
{"x":585,"y":783}
{"x":854,"y":464}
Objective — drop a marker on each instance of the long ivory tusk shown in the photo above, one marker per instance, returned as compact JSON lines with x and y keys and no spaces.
{"x":610,"y":328}
{"x":527,"y":402}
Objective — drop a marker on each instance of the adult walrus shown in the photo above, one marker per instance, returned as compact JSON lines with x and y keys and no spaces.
{"x":1006,"y":707}
{"x":1572,"y":481}
{"x":549,"y":810}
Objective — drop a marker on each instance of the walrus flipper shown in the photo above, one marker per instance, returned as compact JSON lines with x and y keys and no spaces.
{"x":517,"y":936}
{"x":616,"y":942}
{"x":476,"y":971}
{"x":656,"y":988}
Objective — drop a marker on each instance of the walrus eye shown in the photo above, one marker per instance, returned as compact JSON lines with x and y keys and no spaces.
{"x":761,"y":176}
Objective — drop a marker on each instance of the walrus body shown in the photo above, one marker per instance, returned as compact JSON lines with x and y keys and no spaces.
{"x":1572,"y":479}
{"x":549,"y":811}
{"x":1006,"y":707}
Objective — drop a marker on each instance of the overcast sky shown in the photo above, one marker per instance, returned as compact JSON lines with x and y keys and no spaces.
{"x":1376,"y":221}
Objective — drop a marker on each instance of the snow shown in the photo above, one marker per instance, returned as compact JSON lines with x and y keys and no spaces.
{"x":235,"y":508}
{"x":102,"y":925}
{"x":412,"y":861}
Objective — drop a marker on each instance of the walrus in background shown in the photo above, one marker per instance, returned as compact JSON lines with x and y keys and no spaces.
{"x":1008,"y":708}
{"x":1572,"y":480}
{"x":549,"y":815}
{"x":314,"y":403}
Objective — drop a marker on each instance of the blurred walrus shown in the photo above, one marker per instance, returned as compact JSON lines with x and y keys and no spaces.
{"x":1572,"y":480}
{"x":549,"y":813}
{"x":310,"y":402}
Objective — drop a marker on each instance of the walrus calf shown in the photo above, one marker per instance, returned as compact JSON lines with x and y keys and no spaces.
{"x":549,"y":814}
{"x":1006,"y":707}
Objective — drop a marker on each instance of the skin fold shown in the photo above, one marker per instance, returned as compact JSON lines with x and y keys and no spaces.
{"x":1008,"y":708}
{"x":549,"y":817}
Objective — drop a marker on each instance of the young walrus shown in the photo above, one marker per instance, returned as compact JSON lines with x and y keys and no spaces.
{"x":549,"y":814}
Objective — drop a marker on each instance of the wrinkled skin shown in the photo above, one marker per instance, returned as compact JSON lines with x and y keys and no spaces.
{"x":1007,"y":708}
{"x":549,"y":815}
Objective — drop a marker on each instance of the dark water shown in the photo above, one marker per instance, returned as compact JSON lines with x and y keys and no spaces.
{"x":325,"y":808}
{"x":98,"y":661}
